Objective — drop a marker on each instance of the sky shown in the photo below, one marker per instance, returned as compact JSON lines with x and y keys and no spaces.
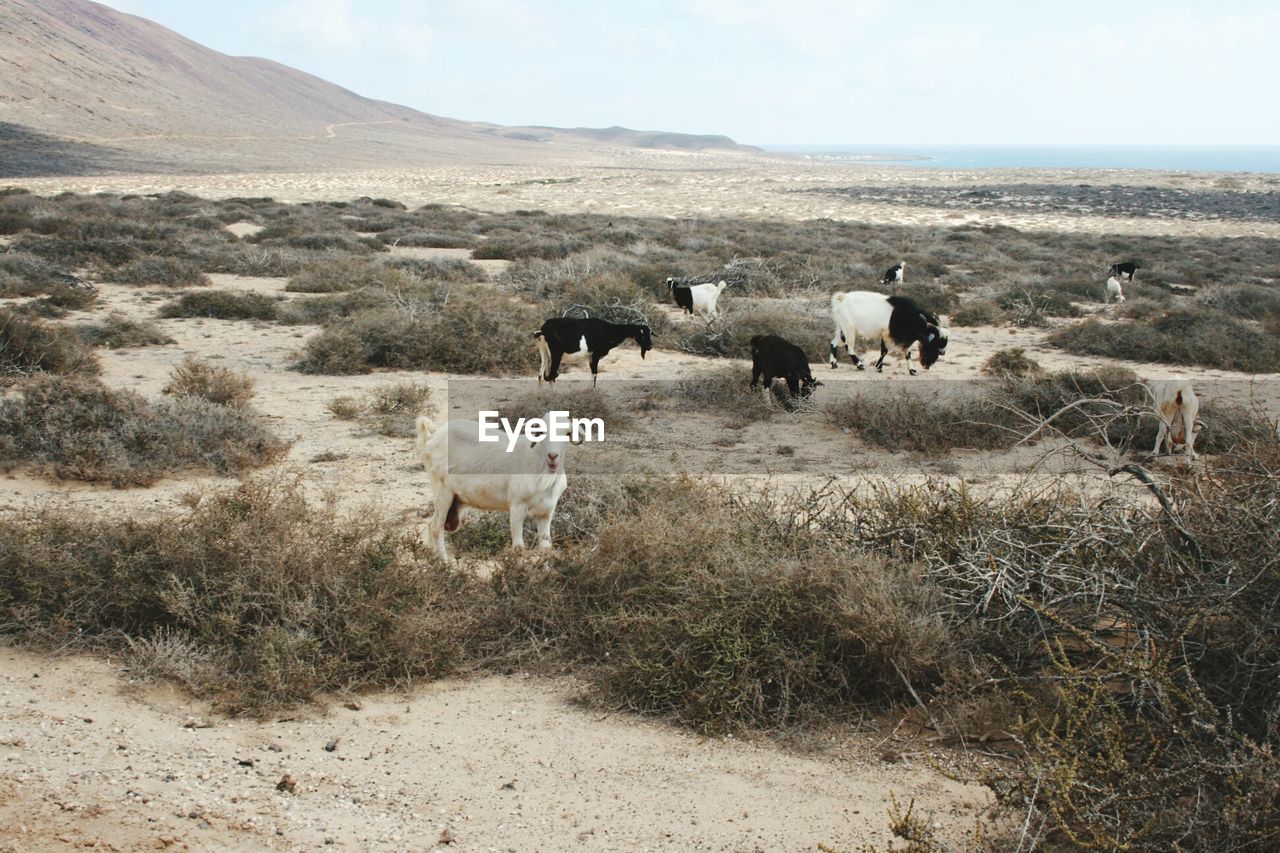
{"x":793,"y":72}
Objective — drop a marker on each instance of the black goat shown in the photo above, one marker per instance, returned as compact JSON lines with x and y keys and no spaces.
{"x":1124,"y":268}
{"x":569,"y":338}
{"x":772,"y":357}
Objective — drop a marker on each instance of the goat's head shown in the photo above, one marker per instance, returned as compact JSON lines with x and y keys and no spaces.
{"x":933,"y":345}
{"x":644,"y":338}
{"x":807,"y":384}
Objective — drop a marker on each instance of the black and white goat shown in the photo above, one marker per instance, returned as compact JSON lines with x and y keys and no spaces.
{"x":895,"y":320}
{"x":697,"y":298}
{"x":1124,"y":268}
{"x":773,"y":357}
{"x":893,"y":275}
{"x":571,"y":339}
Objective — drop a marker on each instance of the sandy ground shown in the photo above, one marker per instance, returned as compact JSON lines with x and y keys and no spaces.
{"x":665,"y":183}
{"x":408,"y":768}
{"x":500,"y":763}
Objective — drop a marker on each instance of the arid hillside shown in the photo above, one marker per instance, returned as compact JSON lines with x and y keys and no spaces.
{"x":85,"y":89}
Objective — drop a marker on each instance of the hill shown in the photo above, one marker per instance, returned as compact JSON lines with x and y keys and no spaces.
{"x":85,"y":89}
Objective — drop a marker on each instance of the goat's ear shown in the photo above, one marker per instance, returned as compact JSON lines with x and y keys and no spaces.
{"x":932,"y":335}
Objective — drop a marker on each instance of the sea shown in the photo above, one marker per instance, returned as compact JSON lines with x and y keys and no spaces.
{"x":1189,"y":158}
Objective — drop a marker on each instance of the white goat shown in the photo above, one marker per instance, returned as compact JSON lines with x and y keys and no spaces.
{"x":697,"y":298}
{"x":468,"y":474}
{"x":1176,"y":406}
{"x":1114,"y":293}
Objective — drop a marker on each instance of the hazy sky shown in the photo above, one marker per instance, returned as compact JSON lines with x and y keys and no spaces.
{"x":788,"y":71}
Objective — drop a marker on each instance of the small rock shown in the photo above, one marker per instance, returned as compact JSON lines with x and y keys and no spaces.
{"x":509,"y":786}
{"x":890,"y":756}
{"x":286,"y":783}
{"x":275,"y":747}
{"x":446,"y":837}
{"x":245,"y":762}
{"x":352,"y":706}
{"x":331,"y":745}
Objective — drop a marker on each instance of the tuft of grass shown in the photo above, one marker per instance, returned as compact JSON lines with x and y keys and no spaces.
{"x":470,"y":333}
{"x":219,"y":385}
{"x":171,"y":272}
{"x":1179,"y":336}
{"x":1012,"y":362}
{"x":925,"y":419}
{"x":77,"y":429}
{"x":341,"y":274}
{"x":223,"y":305}
{"x":116,"y":331}
{"x":804,"y":323}
{"x":30,"y":345}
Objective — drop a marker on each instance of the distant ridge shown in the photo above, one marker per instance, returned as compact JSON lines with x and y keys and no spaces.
{"x":85,"y":89}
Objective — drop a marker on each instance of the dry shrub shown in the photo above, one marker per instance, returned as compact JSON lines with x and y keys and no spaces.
{"x":221,"y":385}
{"x":77,"y":429}
{"x":736,"y":621}
{"x":117,"y":331}
{"x":223,"y":305}
{"x":339,"y":274}
{"x":472,"y":332}
{"x":255,"y":598}
{"x":29,"y":345}
{"x":926,"y":419}
{"x":389,"y":409}
{"x":726,"y":390}
{"x":1181,"y":336}
{"x":172,"y":272}
{"x":1011,"y":363}
{"x":978,"y":312}
{"x":807,"y":324}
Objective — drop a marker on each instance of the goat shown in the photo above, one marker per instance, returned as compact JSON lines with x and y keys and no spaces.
{"x":1124,"y":268}
{"x":697,"y":298}
{"x":1176,"y":405}
{"x":1113,"y":290}
{"x":772,"y":357}
{"x":562,"y":338}
{"x":893,"y":275}
{"x":468,"y":474}
{"x":895,"y":320}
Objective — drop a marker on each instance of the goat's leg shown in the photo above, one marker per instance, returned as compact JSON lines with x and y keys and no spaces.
{"x":544,"y":530}
{"x":906,"y":356}
{"x":517,"y":525}
{"x":1188,"y":423}
{"x":884,"y":350}
{"x":556,"y":355}
{"x":440,"y":519}
{"x":1160,"y":434}
{"x":595,"y":369}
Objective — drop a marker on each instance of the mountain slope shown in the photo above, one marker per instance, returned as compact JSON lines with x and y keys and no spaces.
{"x":86,"y":88}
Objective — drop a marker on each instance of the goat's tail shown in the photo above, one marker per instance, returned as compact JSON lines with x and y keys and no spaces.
{"x":424,"y":426}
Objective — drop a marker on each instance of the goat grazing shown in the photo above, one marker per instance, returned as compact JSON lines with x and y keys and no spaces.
{"x":1176,"y":406}
{"x":895,"y":320}
{"x":466,"y":473}
{"x":1114,"y":293}
{"x":773,"y":357}
{"x":697,"y":298}
{"x":1124,"y":268}
{"x":893,"y":275}
{"x":567,"y":338}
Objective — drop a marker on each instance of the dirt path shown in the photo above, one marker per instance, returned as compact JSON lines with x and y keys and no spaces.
{"x":87,"y":760}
